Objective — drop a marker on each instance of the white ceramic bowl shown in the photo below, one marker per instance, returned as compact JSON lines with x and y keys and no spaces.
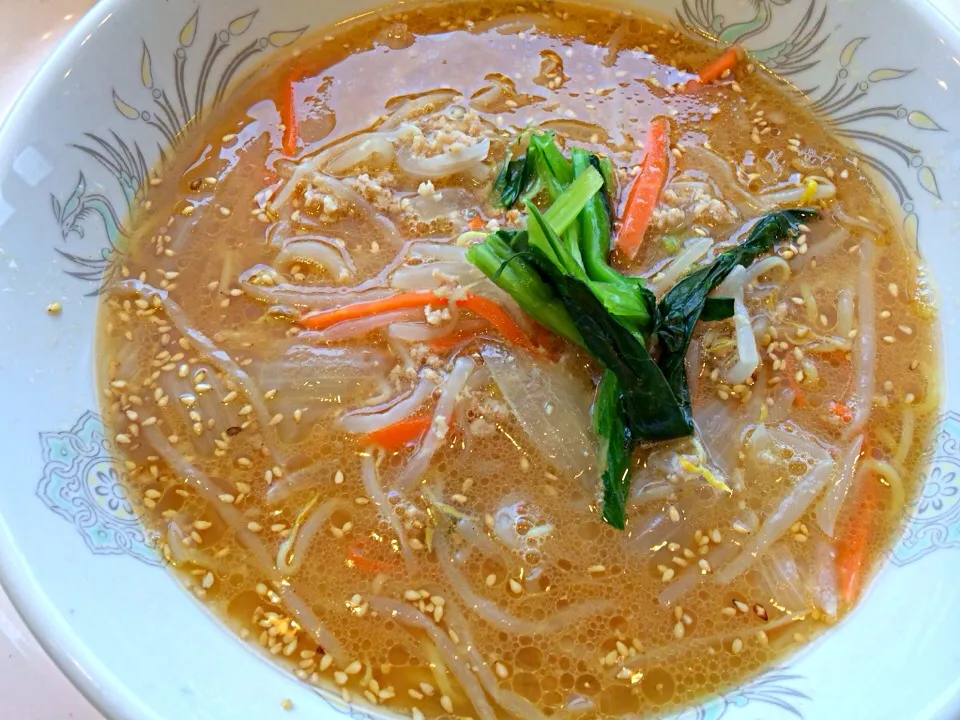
{"x":73,"y":155}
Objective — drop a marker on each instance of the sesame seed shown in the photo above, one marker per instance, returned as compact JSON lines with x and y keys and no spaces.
{"x":446,"y":703}
{"x":353,"y":668}
{"x":674,"y":514}
{"x":225,"y":211}
{"x":54,"y":308}
{"x":736,"y":646}
{"x":286,"y":704}
{"x":596,"y":569}
{"x":254,"y":526}
{"x":515,"y":587}
{"x":893,"y":289}
{"x":340,"y":677}
{"x":491,"y":580}
{"x":501,"y":670}
{"x":276,"y":419}
{"x":679,"y":631}
{"x":909,"y":398}
{"x":668,"y":574}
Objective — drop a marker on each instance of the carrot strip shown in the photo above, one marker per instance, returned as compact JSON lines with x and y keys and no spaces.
{"x":498,"y":318}
{"x":465,"y":331}
{"x":288,"y":116}
{"x":841,"y":411}
{"x":357,"y":559}
{"x":715,"y":69}
{"x":395,"y":436}
{"x":476,"y":223}
{"x":451,"y":340}
{"x":645,"y":189}
{"x":325,"y":318}
{"x":852,"y":546}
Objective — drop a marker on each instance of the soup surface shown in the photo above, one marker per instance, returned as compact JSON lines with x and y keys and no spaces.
{"x":372,"y":463}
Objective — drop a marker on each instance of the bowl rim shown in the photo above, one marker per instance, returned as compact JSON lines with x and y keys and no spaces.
{"x":45,"y":622}
{"x":48,"y":625}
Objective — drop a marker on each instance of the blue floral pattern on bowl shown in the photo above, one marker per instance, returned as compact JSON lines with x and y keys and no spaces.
{"x":773,"y":690}
{"x":81,"y":483}
{"x":934,"y":517}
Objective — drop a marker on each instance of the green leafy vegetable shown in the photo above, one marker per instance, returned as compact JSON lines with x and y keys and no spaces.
{"x":627,"y":298}
{"x":554,"y":169}
{"x":682,"y":306}
{"x":567,"y":208}
{"x":496,"y":258}
{"x":557,"y":271}
{"x":510,"y":181}
{"x":717,"y":309}
{"x":594,"y":227}
{"x":616,"y":446}
{"x":653,"y":413}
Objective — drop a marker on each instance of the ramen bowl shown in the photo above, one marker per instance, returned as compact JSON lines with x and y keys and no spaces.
{"x":75,"y":155}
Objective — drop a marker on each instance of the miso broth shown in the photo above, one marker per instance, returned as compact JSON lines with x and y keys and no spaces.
{"x":401,"y":499}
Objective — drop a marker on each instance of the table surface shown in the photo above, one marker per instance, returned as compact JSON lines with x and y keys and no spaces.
{"x":31,"y":686}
